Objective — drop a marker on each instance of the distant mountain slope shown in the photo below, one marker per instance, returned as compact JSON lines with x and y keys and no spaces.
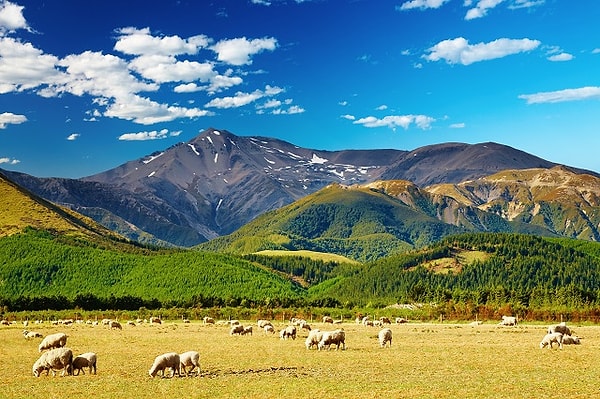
{"x":557,"y":199}
{"x":217,"y":182}
{"x":21,"y":209}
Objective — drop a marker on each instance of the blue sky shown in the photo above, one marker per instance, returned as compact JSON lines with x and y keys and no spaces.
{"x":88,"y":85}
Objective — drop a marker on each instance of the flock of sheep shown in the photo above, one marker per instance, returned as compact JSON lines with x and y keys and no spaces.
{"x":56,"y":356}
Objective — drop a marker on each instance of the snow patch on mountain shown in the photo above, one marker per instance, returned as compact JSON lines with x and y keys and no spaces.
{"x":194,"y":149}
{"x":317,"y":159}
{"x":152,"y":158}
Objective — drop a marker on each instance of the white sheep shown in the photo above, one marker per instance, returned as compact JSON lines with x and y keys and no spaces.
{"x":169,"y":360}
{"x":314,"y":337}
{"x":571,"y":340}
{"x":208,"y":320}
{"x":155,"y":320}
{"x":551,"y":338}
{"x":191,"y":358}
{"x":52,"y":360}
{"x":508,"y":321}
{"x":385,"y":320}
{"x":84,"y":360}
{"x":52,"y":341}
{"x":385,"y":336}
{"x":327,"y":319}
{"x":401,"y":320}
{"x":335,"y":337}
{"x":269,"y":329}
{"x":561,"y":328}
{"x":31,"y":334}
{"x":262,"y":323}
{"x":288,"y":332}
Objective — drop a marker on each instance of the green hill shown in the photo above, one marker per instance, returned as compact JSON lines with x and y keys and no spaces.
{"x":357,"y":222}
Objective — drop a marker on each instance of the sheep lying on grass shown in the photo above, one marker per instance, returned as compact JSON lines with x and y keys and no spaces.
{"x":51,"y":341}
{"x":55,"y":359}
{"x":85,"y":360}
{"x":31,"y":334}
{"x":191,"y":358}
{"x":169,"y":360}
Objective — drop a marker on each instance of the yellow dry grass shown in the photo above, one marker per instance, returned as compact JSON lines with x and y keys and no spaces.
{"x":425,"y":361}
{"x":322,"y":256}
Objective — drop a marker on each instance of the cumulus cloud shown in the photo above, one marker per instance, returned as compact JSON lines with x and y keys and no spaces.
{"x":459,"y":51}
{"x":481,"y":9}
{"x":240,"y":99}
{"x":9,"y":161}
{"x":582,"y":93}
{"x":135,"y":41}
{"x":148,"y":135}
{"x":8,"y":118}
{"x":73,"y":136}
{"x":294,"y":109}
{"x":239,"y":51}
{"x":393,"y":121}
{"x":561,"y":57}
{"x":525,"y":3}
{"x":349,"y":117}
{"x":11,"y":17}
{"x":457,"y":125}
{"x":421,"y":4}
{"x":147,"y":112}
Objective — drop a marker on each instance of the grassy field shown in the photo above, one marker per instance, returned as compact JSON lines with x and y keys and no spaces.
{"x":425,"y":361}
{"x":323,"y":256}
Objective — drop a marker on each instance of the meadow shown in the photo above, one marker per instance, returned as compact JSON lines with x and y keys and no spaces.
{"x":426,"y":360}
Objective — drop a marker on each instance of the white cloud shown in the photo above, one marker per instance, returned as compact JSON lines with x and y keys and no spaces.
{"x":294,"y":109}
{"x":422,"y":4}
{"x":393,"y":121}
{"x":343,"y":103}
{"x":148,"y":135}
{"x":596,"y":51}
{"x":73,"y":136}
{"x":526,"y":3}
{"x":162,"y":69}
{"x":382,"y":107}
{"x":24,"y":67}
{"x":459,"y":51}
{"x":8,"y":118}
{"x":11,"y":17}
{"x":457,"y":125}
{"x":349,"y":117}
{"x":261,"y":2}
{"x":582,"y":93}
{"x":561,"y":57}
{"x":238,"y":51}
{"x":135,"y":41}
{"x":481,"y":9}
{"x":9,"y":161}
{"x":240,"y":99}
{"x":146,"y":112}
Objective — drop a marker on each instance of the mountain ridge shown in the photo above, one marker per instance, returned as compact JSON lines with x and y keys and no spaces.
{"x":216,"y":182}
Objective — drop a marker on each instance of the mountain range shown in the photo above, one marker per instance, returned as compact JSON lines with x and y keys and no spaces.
{"x":217,"y":182}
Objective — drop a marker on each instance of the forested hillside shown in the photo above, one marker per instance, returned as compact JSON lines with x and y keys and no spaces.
{"x":522,"y":270}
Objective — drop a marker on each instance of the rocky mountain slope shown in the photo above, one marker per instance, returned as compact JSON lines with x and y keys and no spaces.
{"x":217,"y":182}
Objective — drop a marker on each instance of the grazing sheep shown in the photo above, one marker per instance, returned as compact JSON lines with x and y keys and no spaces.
{"x":401,"y":320}
{"x":304,"y":325}
{"x":208,"y":320}
{"x":551,"y":338}
{"x":561,"y":328}
{"x":269,"y":329}
{"x":335,"y":337}
{"x":385,"y":336}
{"x":191,"y":358}
{"x":131,"y":323}
{"x":55,"y":359}
{"x":115,"y":324}
{"x":233,"y":322}
{"x":52,"y":341}
{"x":247,"y":330}
{"x":155,"y":320}
{"x":31,"y":334}
{"x":571,"y":340}
{"x":314,"y":337}
{"x":88,"y":360}
{"x":508,"y":321}
{"x":169,"y":360}
{"x":385,"y":320}
{"x":288,"y":332}
{"x":263,"y":323}
{"x":237,"y":329}
{"x":327,"y":319}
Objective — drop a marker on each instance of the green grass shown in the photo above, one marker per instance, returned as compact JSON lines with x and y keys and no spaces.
{"x":425,"y":361}
{"x":322,"y":256}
